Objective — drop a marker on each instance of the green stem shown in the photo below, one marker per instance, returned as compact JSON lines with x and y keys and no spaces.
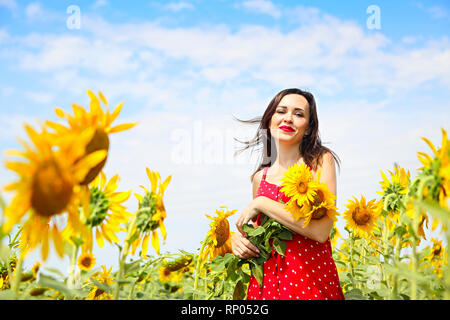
{"x":446,"y":274}
{"x":11,"y":244}
{"x":73,"y":263}
{"x":385,"y":248}
{"x":123,"y":256}
{"x":197,"y":267}
{"x":415,"y":257}
{"x":351,"y":259}
{"x":17,"y":277}
{"x":394,"y":295}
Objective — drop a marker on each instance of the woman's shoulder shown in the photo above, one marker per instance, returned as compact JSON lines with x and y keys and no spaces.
{"x":257,"y":177}
{"x":326,"y":159}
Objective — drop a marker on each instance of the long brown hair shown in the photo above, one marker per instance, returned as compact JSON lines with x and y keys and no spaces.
{"x":311,"y":146}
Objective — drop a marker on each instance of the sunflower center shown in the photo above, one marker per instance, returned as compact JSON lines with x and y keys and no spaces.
{"x":319,"y":213}
{"x":52,"y":189}
{"x":100,"y":141}
{"x":147,"y":208}
{"x":319,"y":197}
{"x":178,"y":264}
{"x":99,"y":204}
{"x":437,"y":251}
{"x":302,"y":187}
{"x":222,"y":232}
{"x":361,"y":217}
{"x":86,"y":262}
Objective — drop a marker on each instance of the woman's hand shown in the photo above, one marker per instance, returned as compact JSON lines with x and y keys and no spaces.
{"x":242,"y":247}
{"x":247,"y":214}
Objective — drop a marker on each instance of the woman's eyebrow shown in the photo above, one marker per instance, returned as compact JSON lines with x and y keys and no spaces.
{"x":294,"y":109}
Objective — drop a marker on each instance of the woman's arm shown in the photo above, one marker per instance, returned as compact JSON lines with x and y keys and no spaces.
{"x":317,"y":229}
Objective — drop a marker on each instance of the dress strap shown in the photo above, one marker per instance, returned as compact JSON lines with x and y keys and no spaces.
{"x":265,"y":173}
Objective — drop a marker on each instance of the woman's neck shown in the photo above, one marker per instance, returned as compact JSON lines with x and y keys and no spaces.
{"x":287,"y":156}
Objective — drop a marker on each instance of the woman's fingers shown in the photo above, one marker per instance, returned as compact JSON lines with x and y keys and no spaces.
{"x":243,"y":248}
{"x":239,"y":224}
{"x":250,"y":247}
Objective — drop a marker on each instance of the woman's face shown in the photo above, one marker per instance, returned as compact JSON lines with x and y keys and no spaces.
{"x":292,"y":115}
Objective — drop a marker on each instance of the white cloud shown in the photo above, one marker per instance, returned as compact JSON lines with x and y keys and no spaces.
{"x":435,"y":12}
{"x":326,"y":55}
{"x":262,"y":6}
{"x":39,"y":97}
{"x":34,"y":11}
{"x":10,"y":4}
{"x":100,"y":3}
{"x":179,"y":6}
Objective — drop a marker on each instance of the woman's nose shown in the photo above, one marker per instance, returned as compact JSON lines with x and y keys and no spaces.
{"x":288,"y":117}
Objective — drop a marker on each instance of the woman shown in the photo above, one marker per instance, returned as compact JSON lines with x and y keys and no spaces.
{"x":289,"y":129}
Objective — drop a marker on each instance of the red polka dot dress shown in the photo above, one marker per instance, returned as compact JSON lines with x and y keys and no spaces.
{"x":307,"y":272}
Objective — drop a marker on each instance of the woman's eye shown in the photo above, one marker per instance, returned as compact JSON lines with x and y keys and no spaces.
{"x":297,"y":114}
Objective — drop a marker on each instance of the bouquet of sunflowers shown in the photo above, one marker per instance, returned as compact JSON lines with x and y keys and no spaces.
{"x":309,"y":198}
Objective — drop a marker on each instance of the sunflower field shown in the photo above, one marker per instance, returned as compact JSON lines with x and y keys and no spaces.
{"x":63,"y":201}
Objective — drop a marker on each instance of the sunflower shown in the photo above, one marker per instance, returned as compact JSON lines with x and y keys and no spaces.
{"x":179,"y":263}
{"x":335,"y":234}
{"x":439,"y":167}
{"x":321,"y":204}
{"x":103,"y":213}
{"x":48,"y":186}
{"x":438,"y":257}
{"x":298,"y":184}
{"x":166,"y":274}
{"x":86,"y":261}
{"x":103,"y":277}
{"x":324,"y":202}
{"x":299,"y":212}
{"x":361,"y":216}
{"x":219,"y":236}
{"x":101,"y":121}
{"x":150,"y":215}
{"x":398,"y":182}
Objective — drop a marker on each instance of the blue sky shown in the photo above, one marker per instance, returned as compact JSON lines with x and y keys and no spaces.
{"x":183,"y":68}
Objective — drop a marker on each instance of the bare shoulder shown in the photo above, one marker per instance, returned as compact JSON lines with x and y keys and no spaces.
{"x":327,"y":160}
{"x":257,"y":177}
{"x":256,"y":181}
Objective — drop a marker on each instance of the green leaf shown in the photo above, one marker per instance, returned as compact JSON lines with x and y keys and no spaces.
{"x":217,"y":264}
{"x":239,"y":291}
{"x":285,"y":235}
{"x":132,"y":266}
{"x":218,"y":288}
{"x":257,"y":272}
{"x":247,"y":228}
{"x":400,"y":231}
{"x":435,"y":210}
{"x":55,"y":271}
{"x":49,"y":282}
{"x":354,"y":294}
{"x":253,"y":232}
{"x":280,"y":246}
{"x":101,"y":286}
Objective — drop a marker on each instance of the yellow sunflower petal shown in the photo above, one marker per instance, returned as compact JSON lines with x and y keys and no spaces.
{"x":122,"y":127}
{"x":155,"y":241}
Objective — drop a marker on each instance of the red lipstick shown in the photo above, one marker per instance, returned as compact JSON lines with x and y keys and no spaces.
{"x":287,"y":129}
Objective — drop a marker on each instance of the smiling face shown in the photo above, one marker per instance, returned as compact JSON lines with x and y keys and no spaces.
{"x":292,"y":115}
